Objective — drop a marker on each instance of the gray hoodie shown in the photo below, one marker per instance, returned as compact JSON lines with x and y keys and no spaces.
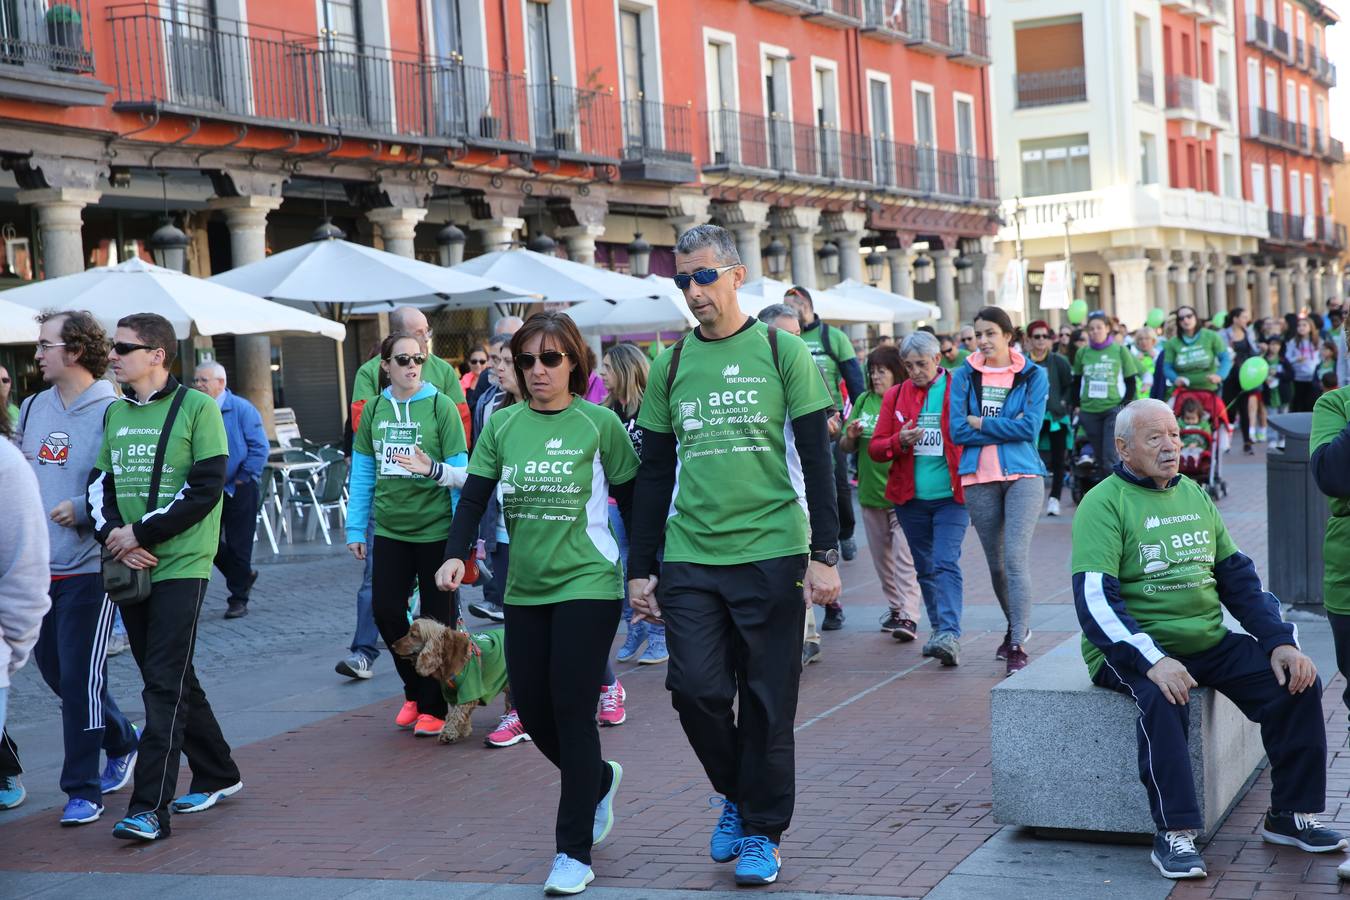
{"x":23,"y":562}
{"x":62,"y":445}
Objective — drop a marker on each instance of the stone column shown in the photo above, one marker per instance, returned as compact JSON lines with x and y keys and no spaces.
{"x":1331,"y":279}
{"x":1316,"y":284}
{"x":1218,"y":287}
{"x":580,"y":241}
{"x":498,"y":233}
{"x":847,"y":231}
{"x":899,"y":262}
{"x":1181,"y":279}
{"x":1200,"y":287}
{"x":686,"y":211}
{"x":1262,"y":308}
{"x":1241,"y":296}
{"x":398,"y":225}
{"x":1300,"y":276}
{"x":60,"y":223}
{"x":1131,"y":288}
{"x":801,"y":224}
{"x":1284,"y":277}
{"x":746,"y":220}
{"x":944,"y":261}
{"x":1160,"y":296}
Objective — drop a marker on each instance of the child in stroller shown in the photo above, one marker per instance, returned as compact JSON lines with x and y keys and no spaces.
{"x":1204,"y":426}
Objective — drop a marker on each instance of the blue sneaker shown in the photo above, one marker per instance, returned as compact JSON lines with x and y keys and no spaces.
{"x":604,"y":810}
{"x":759,"y":862}
{"x":80,"y":812}
{"x":140,"y":827}
{"x":11,"y":791}
{"x":656,"y":652}
{"x":569,"y":876}
{"x":200,"y":802}
{"x":728,"y":834}
{"x":118,"y":772}
{"x":632,"y":644}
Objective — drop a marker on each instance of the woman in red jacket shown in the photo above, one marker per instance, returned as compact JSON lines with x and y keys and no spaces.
{"x":913,"y":434}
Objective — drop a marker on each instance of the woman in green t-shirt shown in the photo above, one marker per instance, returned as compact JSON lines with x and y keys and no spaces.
{"x":558,"y":459}
{"x":885,"y":539}
{"x":1197,"y":359}
{"x":1104,"y":379}
{"x":408,"y":454}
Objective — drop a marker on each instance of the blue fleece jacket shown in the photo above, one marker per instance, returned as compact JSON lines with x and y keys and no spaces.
{"x":1015,"y":430}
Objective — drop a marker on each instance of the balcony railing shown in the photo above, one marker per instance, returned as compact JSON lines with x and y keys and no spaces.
{"x":658,"y":142}
{"x":1275,"y":222}
{"x":1258,"y":32}
{"x":55,"y":36}
{"x":968,"y":35}
{"x":480,"y":106}
{"x":1333,"y":151}
{"x":928,"y":24}
{"x":1300,"y":56}
{"x":574,"y":122}
{"x":1279,"y":40}
{"x":1051,"y":87}
{"x":883,"y":20}
{"x":1181,"y":92}
{"x":835,"y":13}
{"x":1224,"y":102}
{"x":1323,"y":69}
{"x":1146,"y":90}
{"x":1268,"y":126}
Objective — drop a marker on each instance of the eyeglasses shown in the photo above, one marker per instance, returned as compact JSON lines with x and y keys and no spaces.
{"x":1042,"y":336}
{"x":1183,"y":318}
{"x":122,"y":349}
{"x":703,"y":277}
{"x":201,"y":381}
{"x":405,"y":360}
{"x":477,"y":361}
{"x":550,"y":358}
{"x":44,"y":346}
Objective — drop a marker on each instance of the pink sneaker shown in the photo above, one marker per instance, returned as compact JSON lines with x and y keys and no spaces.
{"x":407,"y":715}
{"x":509,"y":731}
{"x":611,"y":705}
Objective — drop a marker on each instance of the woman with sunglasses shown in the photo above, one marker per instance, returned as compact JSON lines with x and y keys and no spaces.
{"x":408,"y":454}
{"x":558,"y":459}
{"x":477,"y":362}
{"x":1056,"y":427}
{"x":1196,"y":359}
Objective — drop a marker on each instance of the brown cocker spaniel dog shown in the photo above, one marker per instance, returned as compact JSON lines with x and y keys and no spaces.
{"x":441,"y":652}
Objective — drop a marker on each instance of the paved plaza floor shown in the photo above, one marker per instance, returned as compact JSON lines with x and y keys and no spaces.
{"x":893,"y":778}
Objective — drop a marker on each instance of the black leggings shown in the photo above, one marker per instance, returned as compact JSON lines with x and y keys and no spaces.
{"x":1054,"y":457}
{"x":555,"y":658}
{"x":1236,"y":399}
{"x":396,"y":563}
{"x":1305,"y":395}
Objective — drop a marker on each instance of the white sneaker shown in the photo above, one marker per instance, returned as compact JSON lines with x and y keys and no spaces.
{"x":569,"y":876}
{"x":1343,"y":871}
{"x":118,"y":643}
{"x":1052,"y":507}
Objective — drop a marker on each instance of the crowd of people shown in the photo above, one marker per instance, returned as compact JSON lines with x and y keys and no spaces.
{"x":614,"y":473}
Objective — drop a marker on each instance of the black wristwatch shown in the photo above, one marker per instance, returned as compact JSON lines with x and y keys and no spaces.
{"x":829,"y":557}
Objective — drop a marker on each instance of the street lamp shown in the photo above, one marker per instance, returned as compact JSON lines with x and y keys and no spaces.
{"x":965,"y":270}
{"x":639,"y":256}
{"x":168,"y":244}
{"x":829,"y":259}
{"x":450,"y":243}
{"x":775,"y":257}
{"x":327,"y":231}
{"x":876,"y":265}
{"x":542,"y":243}
{"x":923,"y":269}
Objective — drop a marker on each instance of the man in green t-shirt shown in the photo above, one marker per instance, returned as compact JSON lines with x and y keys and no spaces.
{"x":167,"y":441}
{"x":1153,"y":568}
{"x":736,"y":471}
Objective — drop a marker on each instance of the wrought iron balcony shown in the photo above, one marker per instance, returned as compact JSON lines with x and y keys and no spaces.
{"x":658,"y":143}
{"x":1276,"y":224}
{"x":575,"y":124}
{"x":1269,"y":127}
{"x":1323,"y":70}
{"x":928,"y":24}
{"x":835,"y":13}
{"x":968,"y":36}
{"x":883,"y":21}
{"x":1181,"y":92}
{"x":1258,"y":32}
{"x":1333,"y":150}
{"x":1051,"y":88}
{"x":480,"y":107}
{"x":46,"y":52}
{"x":922,"y":171}
{"x":1146,"y":89}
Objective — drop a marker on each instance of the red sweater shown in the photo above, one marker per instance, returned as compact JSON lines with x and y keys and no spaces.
{"x":885,"y":446}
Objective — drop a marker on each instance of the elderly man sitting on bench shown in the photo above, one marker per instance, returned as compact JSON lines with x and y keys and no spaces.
{"x":1152,"y":565}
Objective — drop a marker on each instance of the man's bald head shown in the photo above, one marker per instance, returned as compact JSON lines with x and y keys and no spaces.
{"x":508,"y":325}
{"x":411,"y":320}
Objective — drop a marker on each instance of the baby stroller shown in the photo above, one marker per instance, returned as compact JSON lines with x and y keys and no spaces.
{"x":1202,"y":448}
{"x":1082,"y":466}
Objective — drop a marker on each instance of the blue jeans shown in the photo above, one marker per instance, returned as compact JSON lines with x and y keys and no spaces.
{"x":935,"y":530}
{"x":366,"y":641}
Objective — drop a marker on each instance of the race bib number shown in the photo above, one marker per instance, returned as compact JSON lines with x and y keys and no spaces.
{"x":1098,"y":390}
{"x":930,"y":442}
{"x":1194,"y":358}
{"x":400,"y":440}
{"x":992,"y":400}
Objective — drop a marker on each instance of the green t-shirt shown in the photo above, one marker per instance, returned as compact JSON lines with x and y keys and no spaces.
{"x":932,"y":475}
{"x":13,"y":417}
{"x":1162,"y":546}
{"x":1331,"y":413}
{"x":410,"y":507}
{"x":1197,"y":360}
{"x":841,"y":348}
{"x":554,"y":472}
{"x":872,"y":475}
{"x":739,"y":490}
{"x":1103,"y":373}
{"x":128,"y":452}
{"x":436,"y":372}
{"x":484,"y":675}
{"x":949,"y":364}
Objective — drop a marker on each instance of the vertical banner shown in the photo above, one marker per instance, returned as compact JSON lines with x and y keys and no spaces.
{"x":1055,"y":287}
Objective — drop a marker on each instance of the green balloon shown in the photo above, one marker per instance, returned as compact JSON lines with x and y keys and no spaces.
{"x":1220,"y":319}
{"x":1078,"y":312}
{"x":1156,"y":317}
{"x":1253,"y":373}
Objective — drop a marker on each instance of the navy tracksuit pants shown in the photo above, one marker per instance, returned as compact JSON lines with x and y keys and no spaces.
{"x":1291,"y":730}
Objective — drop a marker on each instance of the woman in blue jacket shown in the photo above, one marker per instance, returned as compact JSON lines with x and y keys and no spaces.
{"x":997,"y":403}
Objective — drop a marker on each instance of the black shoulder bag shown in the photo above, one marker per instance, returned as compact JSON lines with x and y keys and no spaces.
{"x":127,"y":586}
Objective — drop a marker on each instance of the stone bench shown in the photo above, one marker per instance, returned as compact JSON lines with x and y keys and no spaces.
{"x":1065,"y":757}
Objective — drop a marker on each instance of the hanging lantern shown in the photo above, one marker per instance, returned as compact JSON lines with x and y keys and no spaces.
{"x":450,"y":242}
{"x":965,"y":270}
{"x":775,"y":257}
{"x":923,"y":269}
{"x":542,"y":243}
{"x":829,"y":259}
{"x":169,"y":245}
{"x":327,"y":231}
{"x":876,"y":265}
{"x":639,"y":256}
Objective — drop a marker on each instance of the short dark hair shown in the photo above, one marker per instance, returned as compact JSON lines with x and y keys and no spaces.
{"x":387,"y":345}
{"x":887,"y":356}
{"x":798,"y":291}
{"x":998,"y":317}
{"x":558,"y":328}
{"x":155,"y":331}
{"x":83,"y":336}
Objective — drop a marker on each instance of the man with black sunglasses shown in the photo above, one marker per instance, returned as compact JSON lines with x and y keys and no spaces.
{"x":752,"y":533}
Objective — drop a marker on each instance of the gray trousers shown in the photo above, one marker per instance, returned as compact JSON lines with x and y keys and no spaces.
{"x":1004,"y":514}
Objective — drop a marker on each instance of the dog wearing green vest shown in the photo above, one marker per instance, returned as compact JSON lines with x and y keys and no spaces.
{"x":471,"y":669}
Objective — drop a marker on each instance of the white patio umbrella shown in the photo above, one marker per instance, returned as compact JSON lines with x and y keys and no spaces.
{"x":906,"y":309}
{"x":111,"y":292}
{"x":334,"y":275}
{"x":762,"y":292}
{"x":665,"y":312}
{"x":555,"y":278}
{"x":17,"y":325}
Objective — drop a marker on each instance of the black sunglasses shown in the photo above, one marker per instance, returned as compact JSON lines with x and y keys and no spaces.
{"x":403,"y":359}
{"x":477,"y":361}
{"x":1042,"y":336}
{"x":550,"y":358}
{"x":122,"y":349}
{"x":702,"y":278}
